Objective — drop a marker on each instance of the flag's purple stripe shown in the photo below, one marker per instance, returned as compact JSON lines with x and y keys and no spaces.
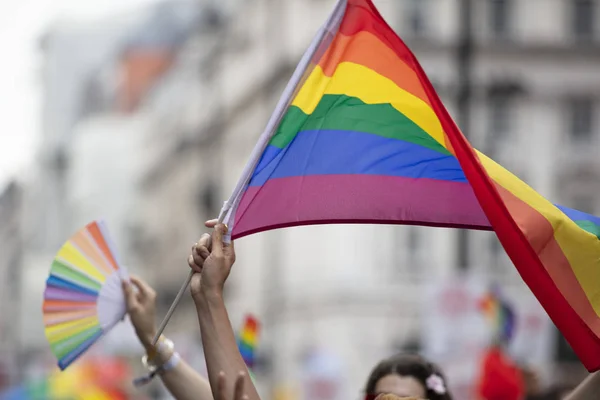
{"x":326,"y":152}
{"x":321,"y":199}
{"x":55,"y":293}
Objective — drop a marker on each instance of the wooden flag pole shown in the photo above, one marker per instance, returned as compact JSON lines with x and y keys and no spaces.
{"x":174,"y":305}
{"x":165,"y":321}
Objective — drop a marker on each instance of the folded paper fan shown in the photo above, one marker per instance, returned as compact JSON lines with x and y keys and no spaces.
{"x":83,"y":299}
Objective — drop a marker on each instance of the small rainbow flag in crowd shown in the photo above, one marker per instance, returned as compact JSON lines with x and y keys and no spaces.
{"x":500,"y":314}
{"x":248,"y":340}
{"x":360,"y":136}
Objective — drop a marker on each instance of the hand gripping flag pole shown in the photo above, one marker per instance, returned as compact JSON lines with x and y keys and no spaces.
{"x":165,"y":321}
{"x":325,"y":33}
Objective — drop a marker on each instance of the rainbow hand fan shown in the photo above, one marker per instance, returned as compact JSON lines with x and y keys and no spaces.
{"x":83,"y":299}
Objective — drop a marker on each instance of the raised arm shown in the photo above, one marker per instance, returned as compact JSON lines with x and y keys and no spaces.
{"x":589,"y":389}
{"x":179,"y":378}
{"x":212,"y":260}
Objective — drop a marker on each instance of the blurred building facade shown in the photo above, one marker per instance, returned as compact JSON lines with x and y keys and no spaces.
{"x":533,"y":109}
{"x":11,"y":249}
{"x":76,"y":80}
{"x":153,"y":131}
{"x":90,"y":149}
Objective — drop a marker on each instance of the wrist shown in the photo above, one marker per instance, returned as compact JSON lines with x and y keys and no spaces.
{"x":160,"y":352}
{"x":146,"y":339}
{"x":208,"y":297}
{"x":162,"y":359}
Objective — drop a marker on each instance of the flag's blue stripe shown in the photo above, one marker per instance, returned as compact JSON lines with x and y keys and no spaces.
{"x":331,"y":152}
{"x":327,"y":152}
{"x":579,"y":216}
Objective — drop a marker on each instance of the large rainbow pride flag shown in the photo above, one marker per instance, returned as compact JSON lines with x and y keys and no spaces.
{"x":360,"y":136}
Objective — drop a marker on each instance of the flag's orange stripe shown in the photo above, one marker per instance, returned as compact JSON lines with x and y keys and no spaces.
{"x":362,"y":16}
{"x":579,"y":247}
{"x":540,"y":234}
{"x":366,"y":49}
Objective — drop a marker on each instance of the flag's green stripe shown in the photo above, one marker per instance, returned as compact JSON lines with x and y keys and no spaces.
{"x":590,"y":227}
{"x":339,"y":112}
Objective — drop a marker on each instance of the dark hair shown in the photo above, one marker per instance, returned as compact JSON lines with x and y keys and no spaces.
{"x":554,"y":393}
{"x":410,"y":366}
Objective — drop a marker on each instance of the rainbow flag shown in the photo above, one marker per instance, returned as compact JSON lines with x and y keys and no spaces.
{"x":248,"y":340}
{"x":500,"y":314}
{"x":360,"y":136}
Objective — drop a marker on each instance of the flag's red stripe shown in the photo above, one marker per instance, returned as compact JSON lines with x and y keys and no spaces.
{"x":540,"y":234}
{"x":322,"y":199}
{"x":361,"y":15}
{"x":578,"y":334}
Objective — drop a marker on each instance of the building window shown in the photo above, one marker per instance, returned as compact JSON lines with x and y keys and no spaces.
{"x":416,"y":17}
{"x":416,"y":261}
{"x":500,"y":18}
{"x":581,"y":118}
{"x":414,"y":243}
{"x":563,"y":351}
{"x":496,"y":248}
{"x":497,"y":256}
{"x":583,"y":18}
{"x":499,"y":118}
{"x":208,"y":200}
{"x":437,"y":85}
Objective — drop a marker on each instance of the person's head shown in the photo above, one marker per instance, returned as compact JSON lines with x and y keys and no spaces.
{"x":394,"y":397}
{"x":407,"y":376}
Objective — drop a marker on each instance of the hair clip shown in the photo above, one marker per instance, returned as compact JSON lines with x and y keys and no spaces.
{"x":436,"y":384}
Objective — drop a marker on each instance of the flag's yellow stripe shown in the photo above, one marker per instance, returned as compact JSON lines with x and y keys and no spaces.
{"x":581,"y":248}
{"x":355,"y":80}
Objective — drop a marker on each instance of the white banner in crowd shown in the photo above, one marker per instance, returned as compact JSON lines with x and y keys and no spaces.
{"x":455,"y":331}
